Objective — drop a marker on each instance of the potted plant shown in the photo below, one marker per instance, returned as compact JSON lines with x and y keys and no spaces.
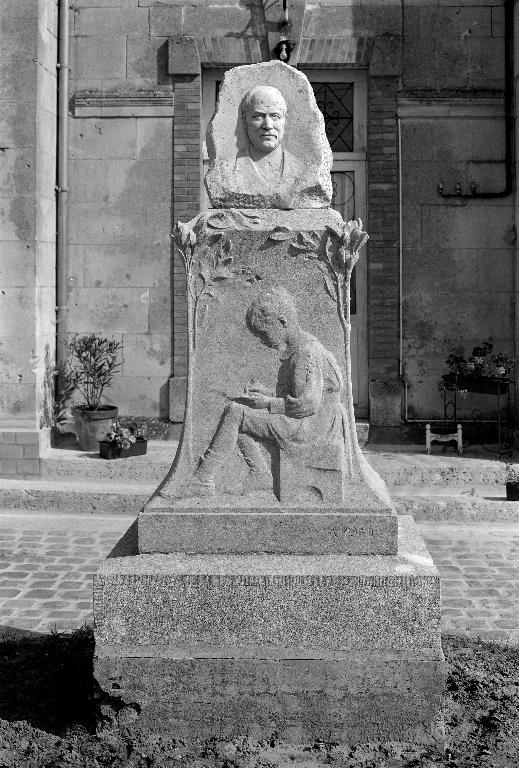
{"x":512,"y":482}
{"x":90,"y":370}
{"x":485,"y":371}
{"x":121,"y":442}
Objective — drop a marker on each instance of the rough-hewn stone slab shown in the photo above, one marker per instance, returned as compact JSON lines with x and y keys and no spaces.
{"x":295,"y":531}
{"x":330,"y":602}
{"x":352,"y":698}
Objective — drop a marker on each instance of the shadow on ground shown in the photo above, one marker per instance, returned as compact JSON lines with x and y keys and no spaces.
{"x":47,"y":680}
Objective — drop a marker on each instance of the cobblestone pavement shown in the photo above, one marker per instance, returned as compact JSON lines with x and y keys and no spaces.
{"x":47,"y":561}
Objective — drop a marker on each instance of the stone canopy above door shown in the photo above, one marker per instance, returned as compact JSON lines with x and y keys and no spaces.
{"x":187,"y":54}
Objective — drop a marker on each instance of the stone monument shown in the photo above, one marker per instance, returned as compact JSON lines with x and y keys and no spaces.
{"x":268,"y":585}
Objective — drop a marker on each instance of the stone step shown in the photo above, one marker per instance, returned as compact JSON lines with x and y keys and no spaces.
{"x":113,"y":497}
{"x":456,"y":504}
{"x":398,"y":466}
{"x":430,"y":487}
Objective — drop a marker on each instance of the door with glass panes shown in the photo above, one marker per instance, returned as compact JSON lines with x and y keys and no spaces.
{"x":341,"y":97}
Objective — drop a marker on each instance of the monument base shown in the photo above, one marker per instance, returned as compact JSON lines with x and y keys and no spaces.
{"x":338,"y":647}
{"x":350,"y":697}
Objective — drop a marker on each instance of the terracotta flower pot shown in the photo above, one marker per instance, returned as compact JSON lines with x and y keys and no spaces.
{"x":91,"y":426}
{"x":110,"y":449}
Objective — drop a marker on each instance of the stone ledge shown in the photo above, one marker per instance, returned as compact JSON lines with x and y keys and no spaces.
{"x":86,"y":104}
{"x":332,"y":601}
{"x":324,"y":531}
{"x":198,"y":651}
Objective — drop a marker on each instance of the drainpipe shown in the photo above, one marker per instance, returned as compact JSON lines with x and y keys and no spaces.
{"x":62,"y":188}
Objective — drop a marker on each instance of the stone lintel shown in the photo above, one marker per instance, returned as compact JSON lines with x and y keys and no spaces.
{"x":267,"y":530}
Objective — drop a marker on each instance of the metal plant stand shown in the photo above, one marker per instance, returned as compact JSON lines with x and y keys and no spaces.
{"x":499,"y":388}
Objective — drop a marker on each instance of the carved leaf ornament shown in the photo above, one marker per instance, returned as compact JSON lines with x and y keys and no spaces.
{"x":335,"y":258}
{"x":205,"y":251}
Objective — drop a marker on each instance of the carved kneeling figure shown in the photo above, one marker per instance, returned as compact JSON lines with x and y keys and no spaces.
{"x":305,"y":410}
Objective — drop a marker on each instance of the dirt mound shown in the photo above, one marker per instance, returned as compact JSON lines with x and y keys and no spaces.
{"x":48,"y":711}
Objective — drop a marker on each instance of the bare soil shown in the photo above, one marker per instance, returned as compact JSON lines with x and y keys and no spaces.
{"x":48,"y":715}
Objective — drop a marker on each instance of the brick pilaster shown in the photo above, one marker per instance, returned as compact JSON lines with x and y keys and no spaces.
{"x":187,"y":186}
{"x":383,"y":298}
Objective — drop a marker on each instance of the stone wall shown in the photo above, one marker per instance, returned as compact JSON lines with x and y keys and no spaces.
{"x":121,"y":195}
{"x":28,"y":40}
{"x":437,"y":65}
{"x":458,"y":251}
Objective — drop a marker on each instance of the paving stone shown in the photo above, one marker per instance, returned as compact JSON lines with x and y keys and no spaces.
{"x":16,"y":575}
{"x":18,"y":602}
{"x":40,"y":593}
{"x":21,"y":622}
{"x":77,"y":594}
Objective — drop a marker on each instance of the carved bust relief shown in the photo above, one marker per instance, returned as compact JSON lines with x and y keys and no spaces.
{"x":273,"y":162}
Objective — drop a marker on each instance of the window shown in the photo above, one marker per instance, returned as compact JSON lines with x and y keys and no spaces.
{"x":335,"y":100}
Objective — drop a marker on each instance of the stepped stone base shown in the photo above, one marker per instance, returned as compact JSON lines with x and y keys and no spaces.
{"x":322,"y":646}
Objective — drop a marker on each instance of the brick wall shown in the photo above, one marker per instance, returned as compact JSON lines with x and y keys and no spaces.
{"x":20,"y":451}
{"x":186,"y":196}
{"x":384,"y":227}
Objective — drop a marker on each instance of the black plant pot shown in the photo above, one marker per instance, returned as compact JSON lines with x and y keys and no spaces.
{"x":481,"y":384}
{"x":110,"y":449}
{"x":512,"y":490}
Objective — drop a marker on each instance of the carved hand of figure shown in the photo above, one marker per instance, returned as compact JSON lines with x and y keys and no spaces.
{"x":258,"y":400}
{"x":257,"y":387}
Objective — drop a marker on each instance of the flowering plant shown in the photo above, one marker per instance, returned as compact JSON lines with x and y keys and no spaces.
{"x":483,"y":363}
{"x":123,"y":437}
{"x":93,"y":362}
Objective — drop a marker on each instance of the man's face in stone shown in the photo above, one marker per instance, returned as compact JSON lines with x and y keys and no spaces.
{"x":265,"y":120}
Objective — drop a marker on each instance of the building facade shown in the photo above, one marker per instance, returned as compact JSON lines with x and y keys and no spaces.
{"x":418,"y":100}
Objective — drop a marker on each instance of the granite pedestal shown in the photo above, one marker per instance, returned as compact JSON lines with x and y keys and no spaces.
{"x":344,"y":647}
{"x":268,"y":588}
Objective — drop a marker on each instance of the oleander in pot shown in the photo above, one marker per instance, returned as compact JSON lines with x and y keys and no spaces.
{"x":93,"y":362}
